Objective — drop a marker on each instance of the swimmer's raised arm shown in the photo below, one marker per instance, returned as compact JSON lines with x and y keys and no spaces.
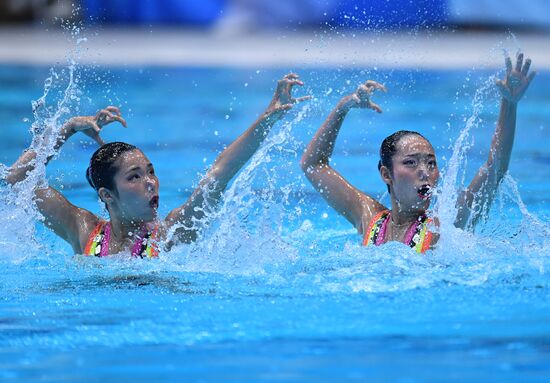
{"x":89,"y":125}
{"x":480,"y":193}
{"x":339,"y":193}
{"x":231,"y":160}
{"x":60,"y":215}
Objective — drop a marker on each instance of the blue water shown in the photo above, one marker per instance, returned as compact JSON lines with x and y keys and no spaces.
{"x":278,"y":288}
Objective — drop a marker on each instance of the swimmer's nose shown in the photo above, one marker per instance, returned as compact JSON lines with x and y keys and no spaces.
{"x":151,"y":182}
{"x":423,"y":172}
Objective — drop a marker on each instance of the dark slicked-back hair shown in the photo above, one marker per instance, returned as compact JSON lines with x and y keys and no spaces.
{"x":102,"y":169}
{"x":389,"y":148}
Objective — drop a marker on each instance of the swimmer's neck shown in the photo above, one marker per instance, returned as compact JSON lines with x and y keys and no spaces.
{"x":123,"y":230}
{"x":401,"y":216}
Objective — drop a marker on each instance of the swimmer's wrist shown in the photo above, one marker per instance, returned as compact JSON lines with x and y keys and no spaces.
{"x":68,"y":129}
{"x":509,"y":103}
{"x":345,"y":104}
{"x":65,"y":133}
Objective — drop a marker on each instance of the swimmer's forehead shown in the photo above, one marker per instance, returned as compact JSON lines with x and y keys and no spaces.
{"x":133,"y":160}
{"x":414,"y":145}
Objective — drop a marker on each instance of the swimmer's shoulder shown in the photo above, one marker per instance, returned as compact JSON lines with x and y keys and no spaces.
{"x":370,"y":208}
{"x":86,"y":222}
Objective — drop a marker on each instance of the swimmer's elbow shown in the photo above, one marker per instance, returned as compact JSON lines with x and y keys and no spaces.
{"x":310,"y":165}
{"x":305,"y":164}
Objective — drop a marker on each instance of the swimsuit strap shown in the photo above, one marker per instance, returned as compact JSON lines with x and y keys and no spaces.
{"x":146,"y":244}
{"x":418,"y":236}
{"x":376,"y":229}
{"x":98,"y":241}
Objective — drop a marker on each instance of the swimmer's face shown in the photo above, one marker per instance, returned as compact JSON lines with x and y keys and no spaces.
{"x":414,"y":174}
{"x":137,"y":187}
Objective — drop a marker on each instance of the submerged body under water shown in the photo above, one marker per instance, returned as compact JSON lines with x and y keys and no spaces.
{"x":278,"y":287}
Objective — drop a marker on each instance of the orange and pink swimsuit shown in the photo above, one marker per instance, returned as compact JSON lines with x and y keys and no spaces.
{"x":145,"y":245}
{"x":417,"y":236}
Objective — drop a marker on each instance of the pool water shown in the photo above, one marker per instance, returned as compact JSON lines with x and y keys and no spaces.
{"x":278,"y":288}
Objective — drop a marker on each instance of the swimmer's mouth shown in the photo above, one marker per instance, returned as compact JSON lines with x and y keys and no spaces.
{"x":154,"y":202}
{"x":425,"y":191}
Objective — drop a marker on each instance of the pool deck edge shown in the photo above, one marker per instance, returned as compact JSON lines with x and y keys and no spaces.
{"x":347,"y":48}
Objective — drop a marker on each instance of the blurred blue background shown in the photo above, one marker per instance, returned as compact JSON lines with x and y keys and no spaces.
{"x":260,"y":14}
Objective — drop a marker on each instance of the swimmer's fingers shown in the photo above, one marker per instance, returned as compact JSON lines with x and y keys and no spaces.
{"x":303,"y":98}
{"x":373,"y":85}
{"x":364,"y":92}
{"x":368,"y":88}
{"x":92,"y":131}
{"x":286,"y":83}
{"x":283,"y":93}
{"x":114,"y":110}
{"x":362,"y":96}
{"x":375,"y":107}
{"x":525,"y":84}
{"x":105,"y":117}
{"x":519,"y":62}
{"x":292,"y":79}
{"x":517,"y":80}
{"x":284,"y":107}
{"x":99,"y":140}
{"x":508,"y":63}
{"x":526,"y":67}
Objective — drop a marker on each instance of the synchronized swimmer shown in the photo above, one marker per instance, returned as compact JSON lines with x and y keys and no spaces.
{"x":408,"y":167}
{"x":126,"y":183}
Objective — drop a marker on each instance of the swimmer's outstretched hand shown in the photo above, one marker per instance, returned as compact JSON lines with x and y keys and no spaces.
{"x":282,"y":99}
{"x":361,"y":98}
{"x":517,"y":79}
{"x":92,"y":125}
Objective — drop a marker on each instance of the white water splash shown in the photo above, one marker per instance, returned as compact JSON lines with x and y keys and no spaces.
{"x":453,"y":177}
{"x":59,"y":100}
{"x":245,"y":232}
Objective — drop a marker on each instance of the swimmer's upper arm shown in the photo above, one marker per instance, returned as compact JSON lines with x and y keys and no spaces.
{"x":473,"y":202}
{"x":187,"y":217}
{"x":184,"y":232}
{"x":356,"y":206}
{"x":65,"y":219}
{"x":463,"y":202}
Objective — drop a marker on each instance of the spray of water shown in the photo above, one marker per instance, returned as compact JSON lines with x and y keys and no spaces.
{"x":246,"y":231}
{"x":60,"y":99}
{"x":453,"y":177}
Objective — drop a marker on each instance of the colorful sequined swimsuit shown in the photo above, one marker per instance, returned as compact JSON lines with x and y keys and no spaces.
{"x":417,"y":236}
{"x":145,"y":245}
